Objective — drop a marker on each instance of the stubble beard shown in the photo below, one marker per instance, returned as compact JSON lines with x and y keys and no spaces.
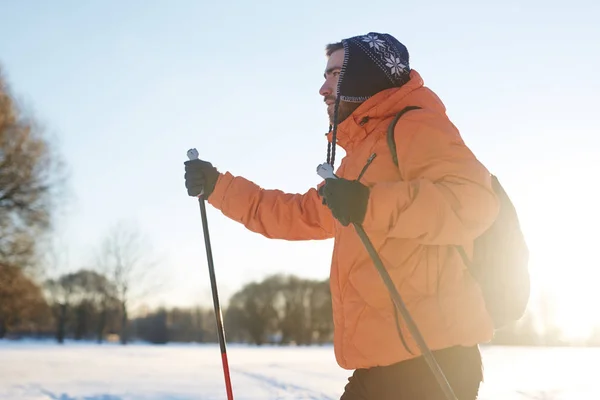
{"x":344,"y":111}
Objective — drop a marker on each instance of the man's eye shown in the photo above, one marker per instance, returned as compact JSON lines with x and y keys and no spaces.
{"x":336,"y":73}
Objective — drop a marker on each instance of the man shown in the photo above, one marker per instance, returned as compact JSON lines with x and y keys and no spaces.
{"x":438,"y":197}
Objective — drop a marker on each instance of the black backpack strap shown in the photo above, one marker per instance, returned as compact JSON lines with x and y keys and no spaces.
{"x":390,"y":133}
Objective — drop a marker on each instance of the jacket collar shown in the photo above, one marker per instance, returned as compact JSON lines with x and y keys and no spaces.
{"x":365,"y":119}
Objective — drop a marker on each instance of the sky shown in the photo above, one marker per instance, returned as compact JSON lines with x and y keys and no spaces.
{"x":128,"y":87}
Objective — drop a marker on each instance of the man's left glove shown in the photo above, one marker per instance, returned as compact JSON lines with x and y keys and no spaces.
{"x":200,"y":175}
{"x":346,"y":199}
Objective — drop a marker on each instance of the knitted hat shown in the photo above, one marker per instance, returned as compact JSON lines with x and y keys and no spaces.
{"x":372,"y":63}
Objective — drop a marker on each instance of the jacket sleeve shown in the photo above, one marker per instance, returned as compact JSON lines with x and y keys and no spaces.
{"x":273,"y":213}
{"x":446,"y":195}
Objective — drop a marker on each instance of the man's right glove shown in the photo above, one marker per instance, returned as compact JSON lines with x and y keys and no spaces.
{"x":346,"y":199}
{"x":200,"y":175}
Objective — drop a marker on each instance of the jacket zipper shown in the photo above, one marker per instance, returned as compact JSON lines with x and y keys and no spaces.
{"x":369,"y":161}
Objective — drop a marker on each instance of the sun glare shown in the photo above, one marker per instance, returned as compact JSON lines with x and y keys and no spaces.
{"x":561,"y":230}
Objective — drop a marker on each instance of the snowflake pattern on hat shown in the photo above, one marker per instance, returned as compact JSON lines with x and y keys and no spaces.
{"x":388,"y":56}
{"x":373,"y":41}
{"x":395,"y":65}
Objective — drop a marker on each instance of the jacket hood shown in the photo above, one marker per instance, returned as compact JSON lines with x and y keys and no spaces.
{"x":383,"y":105}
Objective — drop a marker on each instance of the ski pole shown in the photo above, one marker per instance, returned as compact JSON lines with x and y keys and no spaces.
{"x":325,"y":171}
{"x":193,"y":155}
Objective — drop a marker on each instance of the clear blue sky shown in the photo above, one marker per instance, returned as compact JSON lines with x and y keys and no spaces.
{"x":128,"y":87}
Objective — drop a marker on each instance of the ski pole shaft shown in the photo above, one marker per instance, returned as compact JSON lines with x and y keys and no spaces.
{"x":192,"y":155}
{"x":412,"y":326}
{"x":325,"y":171}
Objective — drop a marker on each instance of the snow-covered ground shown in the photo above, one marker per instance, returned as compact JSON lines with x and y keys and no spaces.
{"x":45,"y":371}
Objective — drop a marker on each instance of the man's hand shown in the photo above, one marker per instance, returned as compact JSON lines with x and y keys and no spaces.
{"x":200,"y":175}
{"x":346,"y":199}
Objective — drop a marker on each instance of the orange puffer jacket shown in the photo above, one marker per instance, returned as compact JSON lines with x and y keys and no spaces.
{"x":440,"y":196}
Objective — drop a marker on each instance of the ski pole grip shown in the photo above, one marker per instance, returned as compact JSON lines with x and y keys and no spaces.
{"x":325,"y":171}
{"x":193,"y":155}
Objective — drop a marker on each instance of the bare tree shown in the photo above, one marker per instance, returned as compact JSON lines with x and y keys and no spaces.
{"x":253,"y":307}
{"x":83,"y":304}
{"x":61,"y":292}
{"x":295,"y":309}
{"x":32,"y":178}
{"x":104,"y":296}
{"x":321,"y":315}
{"x":125,"y":257}
{"x":93,"y":300}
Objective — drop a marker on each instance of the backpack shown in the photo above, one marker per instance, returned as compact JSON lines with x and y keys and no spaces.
{"x":500,"y":255}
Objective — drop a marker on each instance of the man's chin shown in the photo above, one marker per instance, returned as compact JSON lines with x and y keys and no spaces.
{"x":343,"y":113}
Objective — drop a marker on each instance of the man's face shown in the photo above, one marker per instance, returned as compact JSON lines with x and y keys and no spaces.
{"x":329,"y":88}
{"x":332,"y":74}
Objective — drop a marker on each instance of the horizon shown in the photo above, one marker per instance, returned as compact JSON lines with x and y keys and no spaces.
{"x":144,"y":83}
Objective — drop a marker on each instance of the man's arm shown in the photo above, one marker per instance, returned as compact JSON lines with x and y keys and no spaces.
{"x":273,"y":213}
{"x":446,"y":197}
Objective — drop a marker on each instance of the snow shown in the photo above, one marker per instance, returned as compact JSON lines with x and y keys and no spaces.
{"x":84,"y":371}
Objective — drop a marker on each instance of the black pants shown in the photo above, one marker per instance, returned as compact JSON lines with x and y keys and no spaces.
{"x":412,"y":379}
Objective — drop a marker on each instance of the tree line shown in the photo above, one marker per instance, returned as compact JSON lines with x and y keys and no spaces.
{"x":281,"y":309}
{"x":87,"y":305}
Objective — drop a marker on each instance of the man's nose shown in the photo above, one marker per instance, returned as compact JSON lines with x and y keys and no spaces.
{"x":325,"y":89}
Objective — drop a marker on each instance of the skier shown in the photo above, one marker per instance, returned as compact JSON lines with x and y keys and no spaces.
{"x":438,"y":196}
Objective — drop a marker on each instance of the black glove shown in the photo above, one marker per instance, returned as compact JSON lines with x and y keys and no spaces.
{"x":200,"y":175}
{"x":346,"y":199}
